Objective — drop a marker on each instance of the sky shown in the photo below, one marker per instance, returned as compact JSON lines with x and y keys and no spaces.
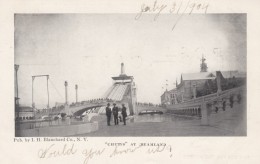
{"x":87,"y":50}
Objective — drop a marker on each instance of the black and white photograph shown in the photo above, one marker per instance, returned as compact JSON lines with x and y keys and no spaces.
{"x":147,"y":81}
{"x":132,"y":75}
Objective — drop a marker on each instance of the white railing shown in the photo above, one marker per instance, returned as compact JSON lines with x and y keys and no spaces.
{"x":198,"y":101}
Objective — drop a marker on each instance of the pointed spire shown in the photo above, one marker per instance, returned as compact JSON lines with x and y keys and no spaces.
{"x":176,"y":83}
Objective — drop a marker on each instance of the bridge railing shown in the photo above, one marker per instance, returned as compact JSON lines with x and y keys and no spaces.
{"x":226,"y":94}
{"x":203,"y":106}
{"x":203,"y":99}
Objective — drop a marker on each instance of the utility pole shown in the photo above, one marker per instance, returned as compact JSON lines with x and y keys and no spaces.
{"x":33,"y":105}
{"x":76,"y":88}
{"x":16,"y":67}
{"x":48,"y":106}
{"x":66,"y":92}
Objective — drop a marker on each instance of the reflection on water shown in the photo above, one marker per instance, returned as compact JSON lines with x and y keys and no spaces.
{"x":48,"y":123}
{"x":161,"y":118}
{"x":72,"y":121}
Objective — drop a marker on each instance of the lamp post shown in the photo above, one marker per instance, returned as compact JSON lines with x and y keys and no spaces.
{"x":76,"y":88}
{"x":33,"y":105}
{"x":66,"y":92}
{"x":16,"y":67}
{"x":48,"y":106}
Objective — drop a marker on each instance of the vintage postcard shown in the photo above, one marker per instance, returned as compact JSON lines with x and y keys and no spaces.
{"x":113,"y":82}
{"x":76,"y":78}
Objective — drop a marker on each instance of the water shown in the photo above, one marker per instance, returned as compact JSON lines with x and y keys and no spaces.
{"x":48,"y":123}
{"x":161,"y":118}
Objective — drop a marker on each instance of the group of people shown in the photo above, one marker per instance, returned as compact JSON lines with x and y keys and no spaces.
{"x":115,"y":111}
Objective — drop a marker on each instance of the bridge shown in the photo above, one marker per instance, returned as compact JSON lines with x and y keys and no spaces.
{"x":203,"y":107}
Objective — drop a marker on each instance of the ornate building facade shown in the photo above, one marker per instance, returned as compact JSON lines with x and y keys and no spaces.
{"x":193,"y":85}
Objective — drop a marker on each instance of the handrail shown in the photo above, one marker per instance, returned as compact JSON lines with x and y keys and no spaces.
{"x":223,"y":95}
{"x":205,"y":99}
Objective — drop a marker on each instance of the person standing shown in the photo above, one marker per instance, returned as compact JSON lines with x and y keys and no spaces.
{"x":124,"y":114}
{"x":108,"y":113}
{"x":115,"y":113}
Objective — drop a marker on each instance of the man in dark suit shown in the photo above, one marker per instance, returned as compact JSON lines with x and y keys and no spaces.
{"x":108,"y":113}
{"x":115,"y":113}
{"x":124,"y":114}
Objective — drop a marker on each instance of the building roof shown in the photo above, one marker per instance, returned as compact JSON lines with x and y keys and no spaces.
{"x":26,"y":109}
{"x":173,"y":90}
{"x":198,"y":76}
{"x":241,"y":74}
{"x":231,"y":74}
{"x":227,"y":74}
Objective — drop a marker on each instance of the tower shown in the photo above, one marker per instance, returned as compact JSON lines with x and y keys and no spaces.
{"x":203,"y":65}
{"x":76,"y":88}
{"x":66,"y":92}
{"x":124,"y":90}
{"x":122,"y":69}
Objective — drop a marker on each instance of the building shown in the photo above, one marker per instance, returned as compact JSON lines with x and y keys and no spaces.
{"x":25,"y":113}
{"x":232,"y":79}
{"x":193,"y":85}
{"x":165,"y":97}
